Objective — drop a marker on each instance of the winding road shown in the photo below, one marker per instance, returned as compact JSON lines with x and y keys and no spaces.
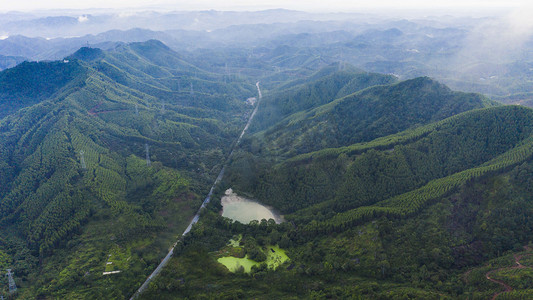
{"x":507,"y":287}
{"x":195,"y":219}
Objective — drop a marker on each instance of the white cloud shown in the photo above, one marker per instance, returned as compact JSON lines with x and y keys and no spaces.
{"x":82,"y":19}
{"x":498,"y":40}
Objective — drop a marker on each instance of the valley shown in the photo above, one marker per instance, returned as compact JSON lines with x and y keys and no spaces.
{"x":272,"y":154}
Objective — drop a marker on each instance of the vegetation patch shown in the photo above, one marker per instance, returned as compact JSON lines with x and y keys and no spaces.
{"x":238,"y":259}
{"x":117,"y":259}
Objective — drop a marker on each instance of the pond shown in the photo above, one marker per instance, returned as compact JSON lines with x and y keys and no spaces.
{"x":245,"y":210}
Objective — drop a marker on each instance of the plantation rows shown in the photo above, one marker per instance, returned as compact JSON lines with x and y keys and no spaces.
{"x":411,"y":202}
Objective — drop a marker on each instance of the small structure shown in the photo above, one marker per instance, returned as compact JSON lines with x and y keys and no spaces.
{"x":12,"y":285}
{"x":111,"y":272}
{"x":251,"y":101}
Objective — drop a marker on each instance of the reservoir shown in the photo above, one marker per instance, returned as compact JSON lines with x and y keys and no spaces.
{"x":245,"y":210}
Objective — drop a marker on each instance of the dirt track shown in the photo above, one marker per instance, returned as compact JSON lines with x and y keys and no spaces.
{"x":508,"y":288}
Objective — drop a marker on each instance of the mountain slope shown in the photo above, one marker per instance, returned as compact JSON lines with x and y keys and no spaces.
{"x":77,"y":181}
{"x":31,"y":82}
{"x":364,"y":116}
{"x":363,"y":174}
{"x":321,"y":88}
{"x":419,"y":244}
{"x":10,"y":61}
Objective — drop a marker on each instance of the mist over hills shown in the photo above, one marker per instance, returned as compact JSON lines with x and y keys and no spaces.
{"x":10,"y":61}
{"x":446,"y":48}
{"x":382,"y":142}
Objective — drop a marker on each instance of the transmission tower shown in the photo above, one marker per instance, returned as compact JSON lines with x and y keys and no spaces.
{"x":163,"y":107}
{"x":82,"y":160}
{"x":226,"y":73}
{"x":136,"y":110}
{"x":148,"y":162}
{"x":192,"y":90}
{"x":12,"y":285}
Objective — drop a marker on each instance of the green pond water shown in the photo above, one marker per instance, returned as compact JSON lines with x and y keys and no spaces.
{"x":275,"y":257}
{"x":245,"y":210}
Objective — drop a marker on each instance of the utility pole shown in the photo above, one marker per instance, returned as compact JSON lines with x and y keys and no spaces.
{"x":82,"y":160}
{"x":136,"y":110}
{"x":163,"y":107}
{"x":192,"y":90}
{"x":12,"y":285}
{"x":147,"y":149}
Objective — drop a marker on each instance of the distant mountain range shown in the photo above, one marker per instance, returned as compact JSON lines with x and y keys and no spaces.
{"x":281,"y":40}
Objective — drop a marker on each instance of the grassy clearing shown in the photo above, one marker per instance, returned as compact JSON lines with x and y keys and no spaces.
{"x":275,"y":257}
{"x":234,"y":264}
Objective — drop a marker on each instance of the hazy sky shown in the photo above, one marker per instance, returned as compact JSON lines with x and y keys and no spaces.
{"x":306,"y":5}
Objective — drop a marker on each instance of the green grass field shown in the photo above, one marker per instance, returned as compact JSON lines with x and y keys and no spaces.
{"x":275,"y":257}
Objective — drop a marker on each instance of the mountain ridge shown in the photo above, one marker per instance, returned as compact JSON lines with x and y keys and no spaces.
{"x":92,"y":160}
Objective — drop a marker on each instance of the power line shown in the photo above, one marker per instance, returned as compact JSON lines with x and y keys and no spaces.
{"x":12,"y":285}
{"x":82,"y":160}
{"x":147,"y":149}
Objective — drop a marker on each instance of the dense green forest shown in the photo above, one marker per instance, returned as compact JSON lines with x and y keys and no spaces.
{"x":77,"y":188}
{"x":441,"y":252}
{"x":305,"y":120}
{"x":422,"y":243}
{"x":389,"y":189}
{"x":406,"y":215}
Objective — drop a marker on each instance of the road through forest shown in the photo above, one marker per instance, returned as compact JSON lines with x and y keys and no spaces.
{"x":195,"y":219}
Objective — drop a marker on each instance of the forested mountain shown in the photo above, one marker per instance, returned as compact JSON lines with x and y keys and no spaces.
{"x":402,"y":216}
{"x":337,"y":179}
{"x":32,"y":82}
{"x":388,"y":188}
{"x":424,"y":255}
{"x":10,"y":61}
{"x":326,"y":85}
{"x":389,"y":216}
{"x":344,"y":108}
{"x":105,"y":156}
